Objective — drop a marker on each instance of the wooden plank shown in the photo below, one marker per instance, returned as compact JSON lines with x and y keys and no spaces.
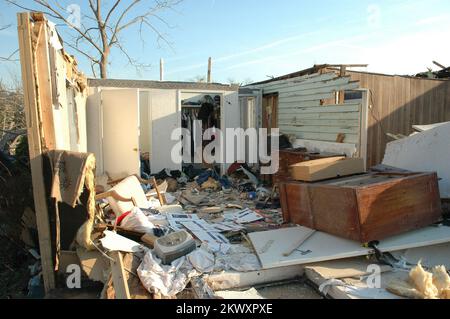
{"x":296,"y":121}
{"x":44,"y":86}
{"x":32,"y":115}
{"x":326,"y":168}
{"x":322,"y":90}
{"x":327,"y":137}
{"x":292,"y":81}
{"x":329,"y":109}
{"x":302,"y":104}
{"x":346,"y":116}
{"x":320,"y":129}
{"x":118,"y":276}
{"x":294,"y":105}
{"x":324,"y":81}
{"x":312,"y":97}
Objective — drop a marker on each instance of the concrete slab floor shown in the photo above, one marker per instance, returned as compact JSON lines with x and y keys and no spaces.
{"x":292,"y":290}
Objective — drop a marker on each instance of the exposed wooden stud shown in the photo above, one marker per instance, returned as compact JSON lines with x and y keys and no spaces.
{"x":161,"y":197}
{"x":33,"y":118}
{"x":341,"y":93}
{"x":118,"y":276}
{"x":44,"y":86}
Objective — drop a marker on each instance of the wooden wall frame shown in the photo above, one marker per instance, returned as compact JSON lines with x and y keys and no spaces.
{"x":33,"y":46}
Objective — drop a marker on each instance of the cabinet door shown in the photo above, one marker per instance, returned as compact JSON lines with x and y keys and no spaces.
{"x":120,"y":114}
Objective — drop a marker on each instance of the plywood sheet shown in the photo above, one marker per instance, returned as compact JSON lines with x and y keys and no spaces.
{"x":427,"y":236}
{"x":426,"y":151}
{"x":270,"y":246}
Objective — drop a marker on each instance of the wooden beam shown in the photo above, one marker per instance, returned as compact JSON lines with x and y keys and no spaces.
{"x":34,"y":122}
{"x":341,"y":93}
{"x":44,"y":86}
{"x":118,"y":276}
{"x":161,"y":197}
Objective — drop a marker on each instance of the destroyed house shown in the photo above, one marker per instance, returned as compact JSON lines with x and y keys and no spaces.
{"x":89,"y":140}
{"x":128,"y":117}
{"x":331,"y":108}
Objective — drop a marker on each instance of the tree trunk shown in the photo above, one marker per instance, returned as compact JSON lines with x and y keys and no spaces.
{"x":103,"y":68}
{"x":104,"y":64}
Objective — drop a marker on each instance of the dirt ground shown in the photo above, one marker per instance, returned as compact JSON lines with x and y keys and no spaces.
{"x":14,"y":272}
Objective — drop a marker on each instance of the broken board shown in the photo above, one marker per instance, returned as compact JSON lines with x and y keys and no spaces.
{"x":319,"y":247}
{"x":322,"y":247}
{"x":326,"y":168}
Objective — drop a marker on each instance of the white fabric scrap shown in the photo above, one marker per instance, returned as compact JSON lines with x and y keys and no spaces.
{"x":168,"y":280}
{"x":238,"y":258}
{"x":202,"y":260}
{"x":137,"y":221}
{"x":252,"y":293}
{"x":115,"y":242}
{"x":54,"y":39}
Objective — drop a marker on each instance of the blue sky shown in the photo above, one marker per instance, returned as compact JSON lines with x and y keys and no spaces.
{"x":250,"y":39}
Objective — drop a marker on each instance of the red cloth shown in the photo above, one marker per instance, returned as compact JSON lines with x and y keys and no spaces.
{"x":121,"y":218}
{"x":233,"y":168}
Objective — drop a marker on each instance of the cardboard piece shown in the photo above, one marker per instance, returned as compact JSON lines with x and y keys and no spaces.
{"x":326,"y":168}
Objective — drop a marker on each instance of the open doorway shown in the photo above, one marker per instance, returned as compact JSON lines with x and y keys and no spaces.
{"x":200,"y":112}
{"x":270,"y":111}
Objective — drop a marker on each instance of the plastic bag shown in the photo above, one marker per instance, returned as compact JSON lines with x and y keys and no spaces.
{"x":137,"y":221}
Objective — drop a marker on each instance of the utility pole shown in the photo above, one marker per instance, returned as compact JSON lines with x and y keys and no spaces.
{"x":209,"y":69}
{"x":161,"y":69}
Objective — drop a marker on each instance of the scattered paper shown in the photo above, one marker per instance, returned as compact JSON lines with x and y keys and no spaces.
{"x":208,"y":235}
{"x":175,"y":220}
{"x":244,"y":216}
{"x":227,"y":226}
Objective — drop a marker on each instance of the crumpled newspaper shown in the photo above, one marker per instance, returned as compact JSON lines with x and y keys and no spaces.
{"x":167,"y":280}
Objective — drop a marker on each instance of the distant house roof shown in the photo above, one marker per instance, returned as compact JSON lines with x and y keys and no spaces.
{"x":144,"y":84}
{"x":317,"y":68}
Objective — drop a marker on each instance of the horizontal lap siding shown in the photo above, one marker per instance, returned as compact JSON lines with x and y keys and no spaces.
{"x":300,"y":112}
{"x":398,"y":103}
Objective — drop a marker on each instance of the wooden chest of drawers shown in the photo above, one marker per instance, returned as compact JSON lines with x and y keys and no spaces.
{"x":365,"y":207}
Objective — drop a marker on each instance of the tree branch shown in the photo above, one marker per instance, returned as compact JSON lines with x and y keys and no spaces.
{"x":124,"y":13}
{"x":9,"y":58}
{"x":5,"y":27}
{"x":82,"y":52}
{"x":46,"y":5}
{"x":108,"y":16}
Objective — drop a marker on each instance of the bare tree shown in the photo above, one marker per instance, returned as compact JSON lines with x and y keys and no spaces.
{"x":99,"y":31}
{"x":198,"y":79}
{"x":232,"y":81}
